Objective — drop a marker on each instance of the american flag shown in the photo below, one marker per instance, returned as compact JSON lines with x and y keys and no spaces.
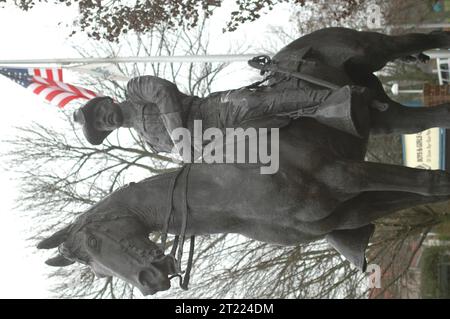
{"x":48,"y":83}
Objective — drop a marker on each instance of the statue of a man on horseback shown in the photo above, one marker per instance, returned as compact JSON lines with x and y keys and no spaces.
{"x":322,"y":93}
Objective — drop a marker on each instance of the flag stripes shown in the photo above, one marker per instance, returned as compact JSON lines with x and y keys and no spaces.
{"x":48,"y":73}
{"x":59,"y":93}
{"x":48,"y":83}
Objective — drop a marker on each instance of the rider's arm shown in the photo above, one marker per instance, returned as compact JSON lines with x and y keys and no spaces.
{"x":165,"y":94}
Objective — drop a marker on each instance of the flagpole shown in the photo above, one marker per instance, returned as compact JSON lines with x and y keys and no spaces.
{"x":166,"y":59}
{"x":136,"y":59}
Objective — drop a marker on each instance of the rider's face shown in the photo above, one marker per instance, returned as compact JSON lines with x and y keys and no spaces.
{"x":108,"y":116}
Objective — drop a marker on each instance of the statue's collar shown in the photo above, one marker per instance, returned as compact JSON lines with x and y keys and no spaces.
{"x":131,"y":113}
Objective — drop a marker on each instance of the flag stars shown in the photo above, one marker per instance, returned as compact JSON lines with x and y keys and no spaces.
{"x":17,"y":75}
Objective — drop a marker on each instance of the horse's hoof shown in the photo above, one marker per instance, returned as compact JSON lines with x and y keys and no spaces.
{"x":408,"y":59}
{"x":423,"y":58}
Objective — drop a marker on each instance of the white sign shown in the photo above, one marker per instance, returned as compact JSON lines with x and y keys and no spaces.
{"x":423,"y":150}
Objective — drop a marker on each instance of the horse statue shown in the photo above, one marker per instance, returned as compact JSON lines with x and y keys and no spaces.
{"x":323,"y":188}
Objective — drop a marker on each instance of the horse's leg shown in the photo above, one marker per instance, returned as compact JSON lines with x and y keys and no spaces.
{"x":377,"y":49}
{"x":370,"y":206}
{"x":355,"y":177}
{"x":415,"y":43}
{"x":400,"y":119}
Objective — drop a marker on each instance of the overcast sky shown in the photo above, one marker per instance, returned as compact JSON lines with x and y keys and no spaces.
{"x":24,"y":35}
{"x":38,"y":34}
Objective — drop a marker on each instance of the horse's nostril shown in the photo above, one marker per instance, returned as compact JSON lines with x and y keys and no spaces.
{"x":152,"y":281}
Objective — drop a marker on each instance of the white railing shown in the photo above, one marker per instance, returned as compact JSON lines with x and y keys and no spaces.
{"x":443,"y":67}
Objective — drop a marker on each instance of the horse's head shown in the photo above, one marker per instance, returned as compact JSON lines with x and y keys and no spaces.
{"x":114,"y":245}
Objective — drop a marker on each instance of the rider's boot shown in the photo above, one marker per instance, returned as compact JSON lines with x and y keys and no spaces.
{"x":346,"y":109}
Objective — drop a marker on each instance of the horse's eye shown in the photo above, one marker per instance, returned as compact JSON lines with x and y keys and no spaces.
{"x":93,"y":242}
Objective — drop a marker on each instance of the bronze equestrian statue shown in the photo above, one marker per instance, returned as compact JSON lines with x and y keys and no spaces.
{"x":323,"y":188}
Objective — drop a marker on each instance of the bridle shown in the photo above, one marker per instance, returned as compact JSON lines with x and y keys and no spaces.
{"x":177,"y":247}
{"x":181,"y":176}
{"x":96,"y":222}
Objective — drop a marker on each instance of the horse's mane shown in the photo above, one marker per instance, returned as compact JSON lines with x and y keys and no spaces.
{"x":158,"y":176}
{"x":93,"y":210}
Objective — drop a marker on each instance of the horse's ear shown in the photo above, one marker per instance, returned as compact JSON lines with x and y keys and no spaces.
{"x":59,"y":261}
{"x":54,"y":240}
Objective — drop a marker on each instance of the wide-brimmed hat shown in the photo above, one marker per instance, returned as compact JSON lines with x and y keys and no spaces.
{"x":86,"y":115}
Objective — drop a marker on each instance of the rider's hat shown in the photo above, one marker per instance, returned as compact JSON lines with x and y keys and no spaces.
{"x":86,"y":116}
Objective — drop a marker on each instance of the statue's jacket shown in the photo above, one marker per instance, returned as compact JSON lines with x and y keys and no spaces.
{"x":164,"y":108}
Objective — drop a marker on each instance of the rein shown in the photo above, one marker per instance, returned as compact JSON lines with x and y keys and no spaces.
{"x":178,"y":244}
{"x":265,"y":64}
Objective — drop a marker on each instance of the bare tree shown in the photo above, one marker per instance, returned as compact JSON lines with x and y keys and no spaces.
{"x":113,"y":19}
{"x":61,"y":174}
